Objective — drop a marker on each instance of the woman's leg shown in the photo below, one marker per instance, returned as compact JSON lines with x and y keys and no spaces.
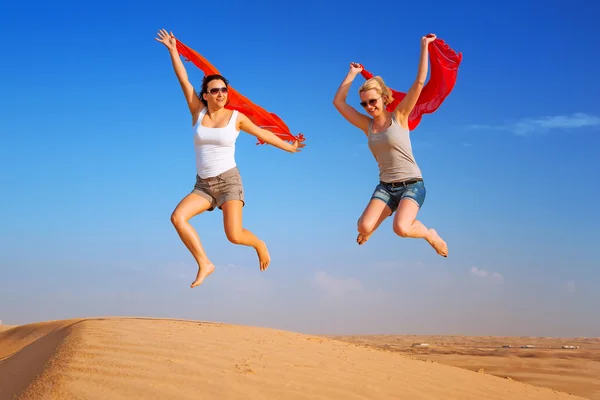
{"x":237,"y":234}
{"x":190,"y":206}
{"x":406,"y":225}
{"x":376,"y":211}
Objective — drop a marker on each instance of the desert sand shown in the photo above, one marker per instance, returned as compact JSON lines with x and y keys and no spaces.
{"x":545,"y":364}
{"x":140,"y":358}
{"x":5,"y":327}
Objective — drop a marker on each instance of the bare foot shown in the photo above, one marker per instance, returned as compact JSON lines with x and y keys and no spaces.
{"x":437,"y":243}
{"x":203,"y":272}
{"x":263,"y":255}
{"x":361,"y":239}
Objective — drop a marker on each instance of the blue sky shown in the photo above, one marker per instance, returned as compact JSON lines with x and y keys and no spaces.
{"x":97,"y":151}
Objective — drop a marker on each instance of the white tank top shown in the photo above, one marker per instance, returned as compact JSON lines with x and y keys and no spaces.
{"x":214,"y":147}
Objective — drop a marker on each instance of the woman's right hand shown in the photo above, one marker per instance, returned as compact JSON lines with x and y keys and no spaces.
{"x":167,"y":39}
{"x":425,"y":40}
{"x":355,"y":68}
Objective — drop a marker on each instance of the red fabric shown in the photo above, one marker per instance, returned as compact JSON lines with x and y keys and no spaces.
{"x":236,"y":101}
{"x":444,"y":63}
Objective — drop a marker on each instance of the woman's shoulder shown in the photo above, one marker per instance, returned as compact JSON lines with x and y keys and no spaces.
{"x":240,"y":118}
{"x":197,"y":114}
{"x":400,"y":120}
{"x":240,"y":115}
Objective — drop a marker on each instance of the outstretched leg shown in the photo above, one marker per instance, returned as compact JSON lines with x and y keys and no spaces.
{"x":371,"y":218}
{"x":190,"y":206}
{"x":406,"y":225}
{"x":237,"y":234}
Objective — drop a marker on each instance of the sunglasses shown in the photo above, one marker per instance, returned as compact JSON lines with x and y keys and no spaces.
{"x":371,"y":102}
{"x":214,"y":91}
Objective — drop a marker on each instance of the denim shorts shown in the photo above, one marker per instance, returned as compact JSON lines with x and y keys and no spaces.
{"x":393,"y":194}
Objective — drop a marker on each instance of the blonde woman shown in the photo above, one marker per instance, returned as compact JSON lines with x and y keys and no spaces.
{"x":401,"y":188}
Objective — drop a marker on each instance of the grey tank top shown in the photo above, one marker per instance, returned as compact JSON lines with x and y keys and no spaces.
{"x":393,"y":151}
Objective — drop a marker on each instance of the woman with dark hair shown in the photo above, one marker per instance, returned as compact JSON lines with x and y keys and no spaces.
{"x":218,"y":181}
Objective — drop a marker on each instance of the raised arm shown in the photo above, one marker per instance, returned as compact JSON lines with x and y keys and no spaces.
{"x":193,"y":102}
{"x":356,"y":118}
{"x":404,"y":108}
{"x":244,"y":124}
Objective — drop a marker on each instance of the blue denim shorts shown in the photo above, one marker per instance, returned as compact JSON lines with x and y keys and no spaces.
{"x":392,"y":195}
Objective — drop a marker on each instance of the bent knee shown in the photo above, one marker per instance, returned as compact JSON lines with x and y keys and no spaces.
{"x":401,"y":229}
{"x":365,"y":225}
{"x":178,"y":218}
{"x":234,"y":237}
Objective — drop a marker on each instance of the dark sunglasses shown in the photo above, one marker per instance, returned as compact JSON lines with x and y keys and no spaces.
{"x":214,"y":91}
{"x":372,"y":102}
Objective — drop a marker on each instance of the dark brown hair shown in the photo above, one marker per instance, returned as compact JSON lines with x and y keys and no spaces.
{"x":205,"y":82}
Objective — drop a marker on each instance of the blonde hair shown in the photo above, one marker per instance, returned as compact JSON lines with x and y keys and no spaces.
{"x":377,"y":83}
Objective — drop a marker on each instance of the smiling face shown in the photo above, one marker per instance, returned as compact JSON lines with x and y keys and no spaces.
{"x":372,"y":101}
{"x":216,"y":93}
{"x":375,"y":96}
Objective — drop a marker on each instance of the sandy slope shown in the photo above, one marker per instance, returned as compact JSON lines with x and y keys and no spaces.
{"x":125,"y":358}
{"x":575,"y":371}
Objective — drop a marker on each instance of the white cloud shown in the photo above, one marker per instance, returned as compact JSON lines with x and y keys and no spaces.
{"x":482,"y":273}
{"x":334,"y":286}
{"x":528,"y":126}
{"x":571,"y":288}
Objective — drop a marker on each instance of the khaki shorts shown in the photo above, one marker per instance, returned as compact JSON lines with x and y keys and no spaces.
{"x":221,"y":188}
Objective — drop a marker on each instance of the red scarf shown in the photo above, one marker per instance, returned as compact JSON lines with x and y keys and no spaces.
{"x":236,"y":101}
{"x":443,"y":71}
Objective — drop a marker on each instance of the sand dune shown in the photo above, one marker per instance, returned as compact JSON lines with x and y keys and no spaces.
{"x":135,"y":358}
{"x":546,"y":364}
{"x":5,"y":327}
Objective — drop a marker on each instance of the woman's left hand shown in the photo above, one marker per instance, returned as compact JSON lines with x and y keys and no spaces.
{"x":297,"y":145}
